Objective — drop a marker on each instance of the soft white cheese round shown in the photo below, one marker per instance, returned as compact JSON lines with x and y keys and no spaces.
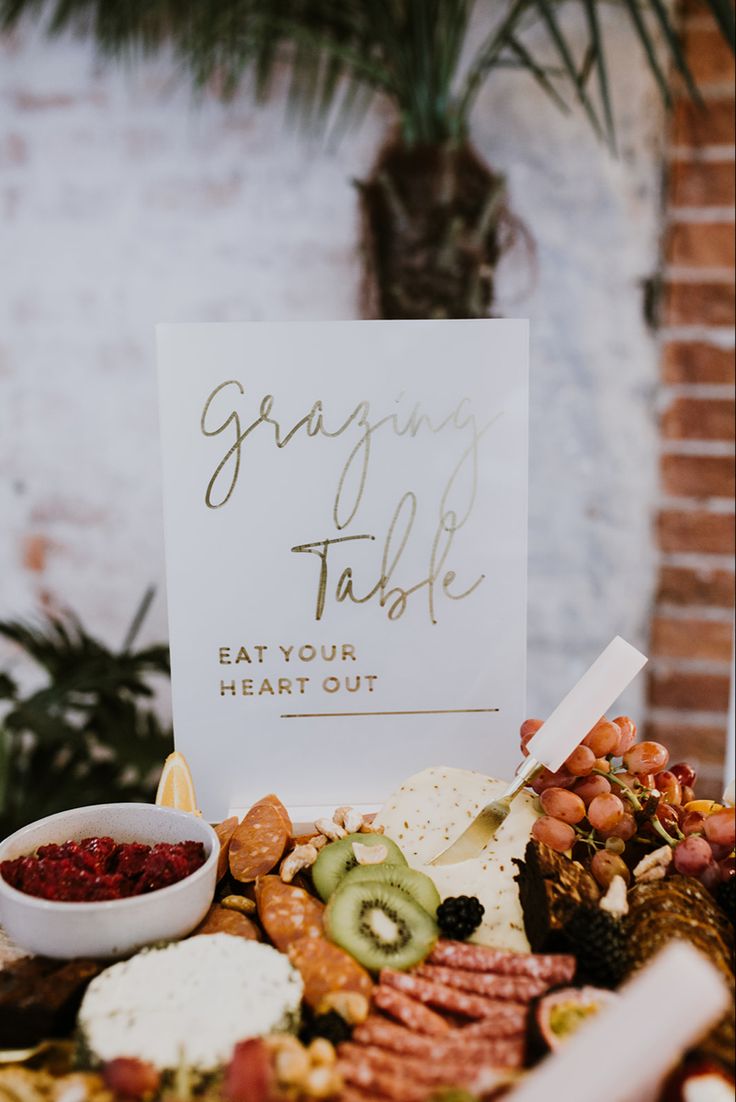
{"x":430,"y":810}
{"x":190,"y":1002}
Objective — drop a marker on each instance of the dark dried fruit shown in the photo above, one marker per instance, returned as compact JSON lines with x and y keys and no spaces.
{"x":331,"y":1025}
{"x":600,"y":943}
{"x":127,"y":1077}
{"x":249,"y":1077}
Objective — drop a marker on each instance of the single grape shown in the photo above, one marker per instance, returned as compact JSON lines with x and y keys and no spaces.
{"x":685,"y":773}
{"x":603,"y":738}
{"x":605,"y":866}
{"x":605,"y":811}
{"x":720,"y":853}
{"x":603,"y":765}
{"x":668,"y":817}
{"x":710,"y":877}
{"x":669,"y":786}
{"x":529,"y":729}
{"x":627,"y":736}
{"x":615,"y":844}
{"x":553,"y":833}
{"x":693,"y":822}
{"x":581,"y":761}
{"x":692,"y":856}
{"x":590,"y":787}
{"x":720,"y":827}
{"x":563,"y":805}
{"x":688,"y":794}
{"x":646,"y":757}
{"x":548,"y":779}
{"x":624,"y":829}
{"x":646,"y":780}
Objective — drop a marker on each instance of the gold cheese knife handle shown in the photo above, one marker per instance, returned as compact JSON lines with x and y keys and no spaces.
{"x":524,"y":774}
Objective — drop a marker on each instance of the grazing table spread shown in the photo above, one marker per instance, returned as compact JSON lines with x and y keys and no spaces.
{"x":339,"y":963}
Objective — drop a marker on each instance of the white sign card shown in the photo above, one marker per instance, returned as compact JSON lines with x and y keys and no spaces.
{"x":345,"y":511}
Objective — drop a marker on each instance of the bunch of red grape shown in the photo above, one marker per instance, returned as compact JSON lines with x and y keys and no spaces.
{"x":612,"y":791}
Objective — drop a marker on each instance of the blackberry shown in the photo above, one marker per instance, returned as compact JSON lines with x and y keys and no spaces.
{"x":726,"y":897}
{"x":332,"y":1026}
{"x":459,"y":915}
{"x":599,"y":942}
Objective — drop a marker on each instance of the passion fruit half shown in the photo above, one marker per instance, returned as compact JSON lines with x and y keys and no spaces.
{"x":564,"y":1012}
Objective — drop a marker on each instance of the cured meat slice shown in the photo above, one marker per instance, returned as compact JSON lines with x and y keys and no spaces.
{"x":273,"y":801}
{"x":326,"y":968}
{"x":484,"y":1027}
{"x":221,"y":920}
{"x":439,"y":1072}
{"x":507,"y":1052}
{"x":493,"y":986}
{"x":287,"y":912}
{"x":507,"y":1015}
{"x":553,"y":967}
{"x":412,"y":1013}
{"x":224,"y":832}
{"x":258,"y":842}
{"x":381,"y":1083}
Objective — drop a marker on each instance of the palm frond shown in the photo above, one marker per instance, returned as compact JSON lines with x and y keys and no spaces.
{"x":338,"y":53}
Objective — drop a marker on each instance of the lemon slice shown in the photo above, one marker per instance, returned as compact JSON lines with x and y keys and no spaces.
{"x":707,"y":807}
{"x":176,"y":787}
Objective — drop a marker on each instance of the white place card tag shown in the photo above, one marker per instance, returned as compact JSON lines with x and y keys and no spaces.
{"x":345,"y":509}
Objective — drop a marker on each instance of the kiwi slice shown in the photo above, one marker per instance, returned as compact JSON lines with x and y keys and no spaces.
{"x":380,"y":925}
{"x":338,"y":858}
{"x":416,"y":884}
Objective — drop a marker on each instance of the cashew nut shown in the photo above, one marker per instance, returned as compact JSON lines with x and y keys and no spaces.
{"x":369,"y":855}
{"x":301,"y":857}
{"x":330,"y":829}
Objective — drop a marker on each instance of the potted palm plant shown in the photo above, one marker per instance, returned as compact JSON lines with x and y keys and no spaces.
{"x":436,"y":215}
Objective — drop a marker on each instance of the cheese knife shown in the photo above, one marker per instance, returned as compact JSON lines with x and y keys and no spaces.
{"x":555,"y":740}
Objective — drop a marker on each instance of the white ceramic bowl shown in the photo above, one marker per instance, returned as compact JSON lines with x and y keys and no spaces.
{"x":115,"y":927}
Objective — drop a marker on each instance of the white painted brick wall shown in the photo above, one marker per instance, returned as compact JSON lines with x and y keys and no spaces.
{"x":123,"y":203}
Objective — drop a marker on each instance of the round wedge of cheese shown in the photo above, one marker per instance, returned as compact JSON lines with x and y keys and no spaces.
{"x":430,"y":810}
{"x":189,"y":1002}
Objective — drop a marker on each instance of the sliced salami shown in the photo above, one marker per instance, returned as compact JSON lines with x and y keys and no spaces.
{"x":457,"y":1071}
{"x":326,"y":968}
{"x":507,"y":1052}
{"x":258,"y":842}
{"x":507,"y":1015}
{"x":493,"y":986}
{"x":412,"y":1013}
{"x":224,"y":832}
{"x":380,"y":1082}
{"x":554,"y":968}
{"x":221,"y":920}
{"x":287,"y":912}
{"x":273,"y":801}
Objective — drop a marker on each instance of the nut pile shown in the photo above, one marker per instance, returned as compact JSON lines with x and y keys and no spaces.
{"x":345,"y":820}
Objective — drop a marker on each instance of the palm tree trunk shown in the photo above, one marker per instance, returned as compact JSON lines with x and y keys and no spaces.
{"x":434,"y":220}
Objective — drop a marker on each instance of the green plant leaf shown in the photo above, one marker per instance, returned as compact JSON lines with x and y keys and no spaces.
{"x":82,"y":736}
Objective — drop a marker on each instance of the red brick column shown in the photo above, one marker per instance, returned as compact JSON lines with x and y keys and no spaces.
{"x":693,"y":618}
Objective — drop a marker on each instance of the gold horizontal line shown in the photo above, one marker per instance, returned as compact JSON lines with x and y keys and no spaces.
{"x":423,"y":712}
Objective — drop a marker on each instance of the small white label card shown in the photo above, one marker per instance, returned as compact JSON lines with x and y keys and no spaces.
{"x":345,"y":510}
